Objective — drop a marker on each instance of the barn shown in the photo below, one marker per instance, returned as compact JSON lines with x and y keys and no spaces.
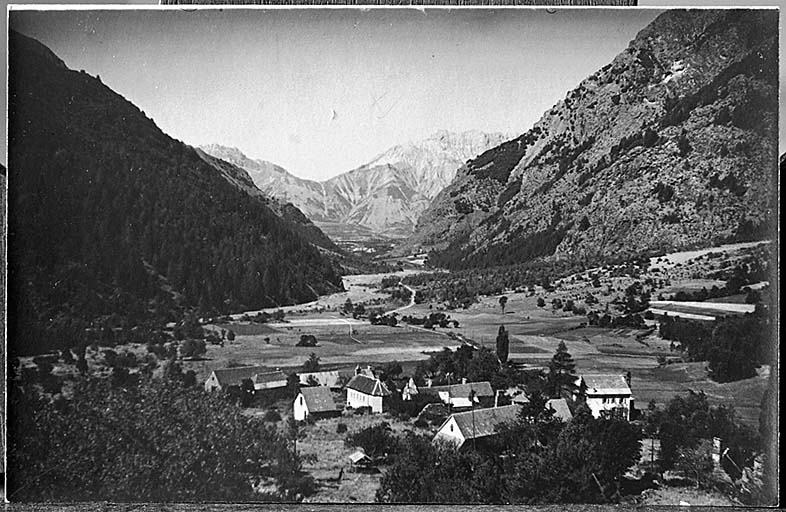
{"x":476,"y":424}
{"x":316,"y":402}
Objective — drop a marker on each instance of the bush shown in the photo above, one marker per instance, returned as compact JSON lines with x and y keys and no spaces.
{"x":307,"y":340}
{"x":376,"y":440}
{"x":271,"y":416}
{"x":341,"y":428}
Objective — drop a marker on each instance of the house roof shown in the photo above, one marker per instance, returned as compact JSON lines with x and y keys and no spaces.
{"x":357,"y":456}
{"x":267,"y":377}
{"x":233,"y":376}
{"x":368,"y":386}
{"x":521,"y":398}
{"x":318,"y":399}
{"x":560,"y":408}
{"x":461,"y":390}
{"x":483,"y":422}
{"x":326,"y":378}
{"x":606,"y":384}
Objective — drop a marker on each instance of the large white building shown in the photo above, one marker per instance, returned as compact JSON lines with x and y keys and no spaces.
{"x":363,"y":391}
{"x":605,"y":394}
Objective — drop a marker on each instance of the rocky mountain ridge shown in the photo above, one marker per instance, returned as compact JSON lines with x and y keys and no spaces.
{"x":385,"y":196}
{"x":671,"y":145}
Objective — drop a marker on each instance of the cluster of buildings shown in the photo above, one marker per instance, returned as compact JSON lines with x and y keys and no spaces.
{"x":474,"y":404}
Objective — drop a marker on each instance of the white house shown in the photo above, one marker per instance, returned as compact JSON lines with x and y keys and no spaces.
{"x":316,"y":402}
{"x":605,"y":394}
{"x":476,"y":424}
{"x":410,"y":390}
{"x":363,"y":391}
{"x":560,"y":408}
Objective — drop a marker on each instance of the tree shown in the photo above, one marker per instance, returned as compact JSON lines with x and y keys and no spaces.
{"x":191,"y":348}
{"x":561,"y":370}
{"x":153,"y":443}
{"x":377,"y":440}
{"x":503,"y":344}
{"x":348,"y":306}
{"x":541,"y":303}
{"x":312,"y":364}
{"x":247,"y":392}
{"x":696,"y":463}
{"x":503,"y":301}
{"x":307,"y":340}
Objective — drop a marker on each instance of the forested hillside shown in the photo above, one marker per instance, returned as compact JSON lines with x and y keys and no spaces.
{"x":113,"y":224}
{"x":672,"y":145}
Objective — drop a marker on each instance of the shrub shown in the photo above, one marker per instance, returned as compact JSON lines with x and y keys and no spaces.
{"x":271,"y":416}
{"x":341,"y":428}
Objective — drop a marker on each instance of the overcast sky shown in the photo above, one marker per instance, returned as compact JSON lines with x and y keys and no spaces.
{"x":323,"y":91}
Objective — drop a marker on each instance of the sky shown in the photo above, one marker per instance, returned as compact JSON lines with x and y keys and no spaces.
{"x":321,"y":92}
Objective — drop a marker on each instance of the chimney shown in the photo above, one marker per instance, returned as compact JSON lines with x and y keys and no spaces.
{"x":429,"y":382}
{"x":463,"y":380}
{"x":357,"y":370}
{"x":496,"y":398}
{"x":627,"y":378}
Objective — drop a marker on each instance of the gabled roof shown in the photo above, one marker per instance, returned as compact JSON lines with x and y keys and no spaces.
{"x":482,"y":389}
{"x":483,"y":422}
{"x":368,"y":386}
{"x":234,"y":376}
{"x":267,"y":377}
{"x":359,"y":455}
{"x":560,"y":408}
{"x":318,"y":399}
{"x":606,"y":384}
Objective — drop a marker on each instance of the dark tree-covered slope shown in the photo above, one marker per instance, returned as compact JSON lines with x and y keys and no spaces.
{"x":672,"y":145}
{"x":112,"y":223}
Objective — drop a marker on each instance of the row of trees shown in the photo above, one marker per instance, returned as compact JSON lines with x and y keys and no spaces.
{"x":733,"y":346}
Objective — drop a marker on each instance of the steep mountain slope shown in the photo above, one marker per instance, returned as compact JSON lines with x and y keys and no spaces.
{"x":386,"y":196}
{"x":112,"y":223}
{"x":671,"y":145}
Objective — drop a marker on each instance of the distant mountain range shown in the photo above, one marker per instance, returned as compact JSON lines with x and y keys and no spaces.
{"x":383,"y":197}
{"x":671,"y":145}
{"x":113,"y":224}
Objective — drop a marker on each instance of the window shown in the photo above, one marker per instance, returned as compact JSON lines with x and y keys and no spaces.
{"x":451,"y":427}
{"x":301,"y":400}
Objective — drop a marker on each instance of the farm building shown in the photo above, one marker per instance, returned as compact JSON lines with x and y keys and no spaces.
{"x":560,"y":408}
{"x":365,"y":391}
{"x":330,"y":379}
{"x":262,"y":377}
{"x":270,"y":380}
{"x":316,"y":402}
{"x":605,"y":394}
{"x":476,"y":424}
{"x":458,"y":395}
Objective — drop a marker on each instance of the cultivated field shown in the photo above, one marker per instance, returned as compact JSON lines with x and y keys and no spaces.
{"x":274,"y":345}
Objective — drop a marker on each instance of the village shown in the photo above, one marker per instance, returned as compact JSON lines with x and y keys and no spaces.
{"x":350,"y":389}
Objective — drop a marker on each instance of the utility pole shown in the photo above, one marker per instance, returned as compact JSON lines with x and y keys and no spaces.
{"x":472,"y":405}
